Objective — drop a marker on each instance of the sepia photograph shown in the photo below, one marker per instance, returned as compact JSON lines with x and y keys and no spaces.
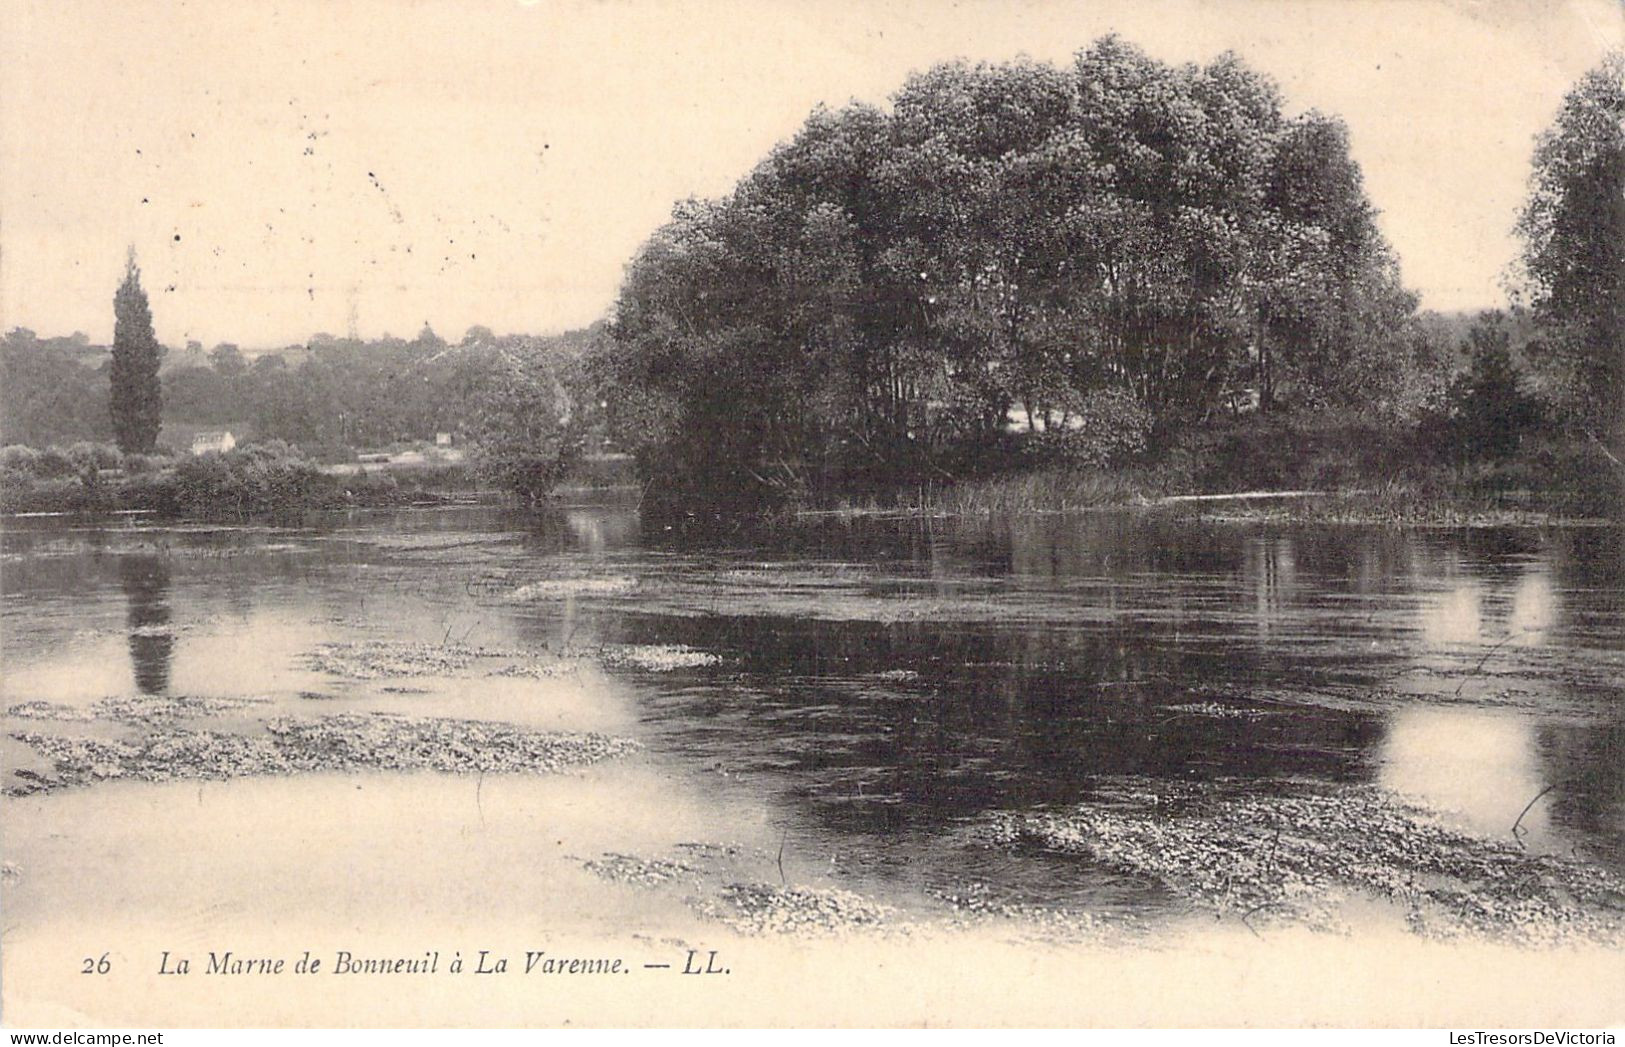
{"x":701,"y":514}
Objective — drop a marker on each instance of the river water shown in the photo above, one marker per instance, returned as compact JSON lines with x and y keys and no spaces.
{"x":856,"y":692}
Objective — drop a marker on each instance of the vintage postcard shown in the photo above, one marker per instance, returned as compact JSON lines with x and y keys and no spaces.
{"x":785,"y":513}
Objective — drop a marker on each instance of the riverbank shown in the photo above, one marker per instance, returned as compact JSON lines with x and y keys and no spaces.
{"x":1570,"y":486}
{"x":166,"y":494}
{"x":269,"y":482}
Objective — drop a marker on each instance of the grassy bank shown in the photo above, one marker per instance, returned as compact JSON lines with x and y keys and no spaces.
{"x":167,"y":493}
{"x":1278,"y":471}
{"x":257,"y":481}
{"x":254,"y":481}
{"x":1443,"y":498}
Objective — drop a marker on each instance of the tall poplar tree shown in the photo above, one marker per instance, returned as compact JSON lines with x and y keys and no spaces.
{"x":136,"y":399}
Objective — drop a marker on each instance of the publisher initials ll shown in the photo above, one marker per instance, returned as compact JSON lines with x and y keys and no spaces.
{"x":692,"y":964}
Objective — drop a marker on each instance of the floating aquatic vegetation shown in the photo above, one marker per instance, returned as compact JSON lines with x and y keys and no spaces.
{"x":37,"y":710}
{"x":378,"y":741}
{"x":370,"y":660}
{"x":135,"y":709}
{"x":539,"y":670}
{"x":547,"y":588}
{"x":1306,"y":855}
{"x":388,"y":742}
{"x":31,"y":781}
{"x":974,"y":905}
{"x":156,"y":709}
{"x":713,"y":851}
{"x":384,"y":659}
{"x":380,"y":659}
{"x":655,"y":658}
{"x":161,"y":756}
{"x":641,"y":872}
{"x":1219,"y":711}
{"x":750,"y":908}
{"x":758,"y":908}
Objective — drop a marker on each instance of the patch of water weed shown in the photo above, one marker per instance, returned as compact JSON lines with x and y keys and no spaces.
{"x":1218,"y":711}
{"x":551,"y":588}
{"x":381,"y":741}
{"x":636,"y":871}
{"x":378,"y":741}
{"x":540,"y":670}
{"x":161,"y":756}
{"x":37,"y":710}
{"x":813,"y":912}
{"x":164,"y":709}
{"x":136,"y":709}
{"x":32,"y":781}
{"x":1309,"y":854}
{"x":655,"y":658}
{"x":714,"y":851}
{"x":375,"y":659}
{"x":975,"y":905}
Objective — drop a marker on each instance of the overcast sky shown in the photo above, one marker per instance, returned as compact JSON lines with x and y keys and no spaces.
{"x":280,"y":164}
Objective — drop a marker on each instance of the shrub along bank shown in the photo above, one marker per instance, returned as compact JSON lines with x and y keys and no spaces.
{"x":253,"y":481}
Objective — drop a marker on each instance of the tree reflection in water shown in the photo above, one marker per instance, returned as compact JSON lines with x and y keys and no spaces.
{"x":145,"y":581}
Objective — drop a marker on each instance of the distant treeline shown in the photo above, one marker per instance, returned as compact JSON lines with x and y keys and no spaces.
{"x":329,"y":397}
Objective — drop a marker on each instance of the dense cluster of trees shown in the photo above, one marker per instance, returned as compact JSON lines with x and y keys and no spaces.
{"x":329,"y":397}
{"x":881,"y":294}
{"x":1573,"y":264}
{"x":52,"y":390}
{"x":343,"y":393}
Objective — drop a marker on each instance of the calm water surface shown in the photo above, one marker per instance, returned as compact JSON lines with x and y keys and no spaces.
{"x":883,"y":683}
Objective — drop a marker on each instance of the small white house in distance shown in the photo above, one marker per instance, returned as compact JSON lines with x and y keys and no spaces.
{"x":218,"y":441}
{"x":442,"y":439}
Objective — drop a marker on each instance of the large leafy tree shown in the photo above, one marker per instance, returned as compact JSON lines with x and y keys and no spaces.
{"x":1573,"y":227}
{"x":885,"y":290}
{"x":527,"y":430}
{"x":135,"y":398}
